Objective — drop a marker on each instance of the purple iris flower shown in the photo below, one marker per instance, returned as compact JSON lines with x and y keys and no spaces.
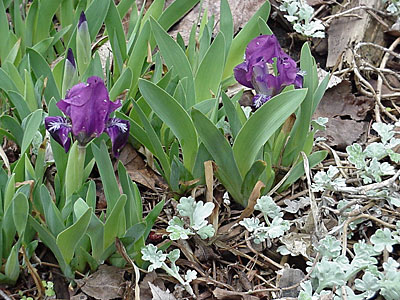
{"x":256,"y":71}
{"x":88,"y":107}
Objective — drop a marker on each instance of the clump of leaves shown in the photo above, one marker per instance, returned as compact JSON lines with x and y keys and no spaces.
{"x":274,"y":225}
{"x":393,"y":7}
{"x":336,"y":270}
{"x":197,"y":212}
{"x":327,"y":180}
{"x":158,"y":259}
{"x":368,"y":160}
{"x":299,"y":13}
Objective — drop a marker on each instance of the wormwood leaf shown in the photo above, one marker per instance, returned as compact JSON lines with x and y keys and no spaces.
{"x":385,"y":131}
{"x":325,"y":180}
{"x":196,"y":211}
{"x":177,"y":230}
{"x":154,"y":256}
{"x":268,"y":207}
{"x":206,"y":231}
{"x":278,"y":227}
{"x":356,"y":155}
{"x":190,"y":275}
{"x":328,"y":274}
{"x":368,"y":283}
{"x":174,"y":255}
{"x":377,"y":150}
{"x":383,"y":239}
{"x":251,"y":224}
{"x":329,"y":247}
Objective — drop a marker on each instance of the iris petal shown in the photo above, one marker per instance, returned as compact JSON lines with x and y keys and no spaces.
{"x":256,"y":71}
{"x":240,"y":72}
{"x":118,"y":131}
{"x":88,"y":106}
{"x":260,"y":99}
{"x":59,"y":128}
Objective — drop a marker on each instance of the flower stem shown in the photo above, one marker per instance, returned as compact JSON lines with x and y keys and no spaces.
{"x":74,"y":170}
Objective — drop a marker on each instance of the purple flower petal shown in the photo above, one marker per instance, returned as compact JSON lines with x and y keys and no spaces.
{"x":240,"y":72}
{"x":287,"y":69}
{"x":70,"y":58}
{"x":82,"y":19}
{"x":118,"y":130}
{"x":298,"y":82}
{"x":265,"y":83}
{"x":257,"y":70}
{"x":264,"y":47}
{"x":88,"y":106}
{"x":59,"y":128}
{"x":260,"y":99}
{"x":259,"y":51}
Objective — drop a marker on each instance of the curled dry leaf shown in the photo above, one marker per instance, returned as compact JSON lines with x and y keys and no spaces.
{"x":159,"y":294}
{"x":346,"y":114}
{"x":106,"y":283}
{"x":297,"y":243}
{"x":291,"y":277}
{"x":138,"y":170}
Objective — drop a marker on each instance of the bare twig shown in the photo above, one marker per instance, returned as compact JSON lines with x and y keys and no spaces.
{"x":4,"y":295}
{"x":313,"y":204}
{"x":328,"y":20}
{"x":267,"y":259}
{"x":365,"y":188}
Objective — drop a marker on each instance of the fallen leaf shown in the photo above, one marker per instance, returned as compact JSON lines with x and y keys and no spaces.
{"x":289,"y":278}
{"x":346,"y":114}
{"x":138,"y":170}
{"x":150,"y":278}
{"x":159,"y":294}
{"x":297,"y":243}
{"x":106,"y":283}
{"x":341,"y":133}
{"x":344,"y":32}
{"x":333,"y":80}
{"x":254,"y":196}
{"x":293,"y":206}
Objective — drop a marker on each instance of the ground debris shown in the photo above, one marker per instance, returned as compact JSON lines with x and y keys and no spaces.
{"x":106,"y":283}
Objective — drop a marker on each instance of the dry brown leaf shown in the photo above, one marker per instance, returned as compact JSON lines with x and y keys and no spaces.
{"x":255,"y":194}
{"x":344,"y":32}
{"x":297,"y":243}
{"x":159,"y":294}
{"x":145,"y":291}
{"x":346,"y":114}
{"x":138,"y":170}
{"x":106,"y":283}
{"x":80,"y":296}
{"x":289,"y":278}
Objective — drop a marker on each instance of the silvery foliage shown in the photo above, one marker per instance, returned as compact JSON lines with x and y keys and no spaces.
{"x":299,"y":13}
{"x":327,"y":180}
{"x":197,"y":212}
{"x":158,"y":259}
{"x":334,"y":270}
{"x":368,"y":160}
{"x":274,"y":225}
{"x":393,"y":7}
{"x":319,"y":124}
